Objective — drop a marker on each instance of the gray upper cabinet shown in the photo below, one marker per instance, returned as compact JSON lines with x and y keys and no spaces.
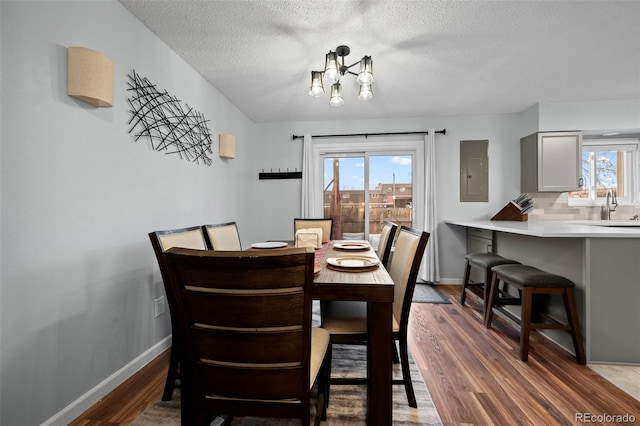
{"x":551,"y":162}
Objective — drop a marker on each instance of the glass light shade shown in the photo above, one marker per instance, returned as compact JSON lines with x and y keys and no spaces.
{"x":366,"y":92}
{"x":316,"y":88}
{"x":331,"y":68}
{"x":365,"y":76}
{"x":336,"y":95}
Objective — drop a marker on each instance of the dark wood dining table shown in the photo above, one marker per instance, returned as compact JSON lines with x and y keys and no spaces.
{"x":376,"y":288}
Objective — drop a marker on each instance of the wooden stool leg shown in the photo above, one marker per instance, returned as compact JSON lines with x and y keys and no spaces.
{"x":525,"y":322}
{"x":488,"y":278}
{"x":467,"y":272}
{"x":574,"y":323}
{"x":493,"y":298}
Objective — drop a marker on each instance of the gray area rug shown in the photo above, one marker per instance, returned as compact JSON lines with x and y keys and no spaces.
{"x":347,"y":404}
{"x":427,"y":293}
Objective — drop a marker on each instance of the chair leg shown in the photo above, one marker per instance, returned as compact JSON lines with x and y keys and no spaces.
{"x":467,"y":272}
{"x":525,"y":323}
{"x":327,"y":382}
{"x":493,"y":298}
{"x":574,"y":323}
{"x":172,"y":375}
{"x":406,"y":373}
{"x":396,"y":358}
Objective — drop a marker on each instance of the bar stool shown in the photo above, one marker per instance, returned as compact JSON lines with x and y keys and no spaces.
{"x":484,"y":261}
{"x":532,"y":281}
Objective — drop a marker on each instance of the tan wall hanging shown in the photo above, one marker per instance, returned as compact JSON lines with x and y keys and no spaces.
{"x":90,"y":76}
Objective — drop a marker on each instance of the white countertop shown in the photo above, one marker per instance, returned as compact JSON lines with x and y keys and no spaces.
{"x":557,"y":228}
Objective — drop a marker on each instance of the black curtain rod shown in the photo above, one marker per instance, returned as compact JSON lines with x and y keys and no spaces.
{"x":366,"y":135}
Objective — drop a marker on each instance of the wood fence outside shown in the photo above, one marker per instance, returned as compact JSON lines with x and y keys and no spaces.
{"x":353,"y":217}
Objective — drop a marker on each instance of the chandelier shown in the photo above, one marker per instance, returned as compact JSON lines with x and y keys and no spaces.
{"x":335,"y":68}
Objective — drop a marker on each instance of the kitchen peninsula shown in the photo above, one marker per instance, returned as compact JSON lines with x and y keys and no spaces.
{"x":603,"y":261}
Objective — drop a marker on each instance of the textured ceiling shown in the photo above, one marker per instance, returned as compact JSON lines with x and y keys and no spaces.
{"x":430,"y":57}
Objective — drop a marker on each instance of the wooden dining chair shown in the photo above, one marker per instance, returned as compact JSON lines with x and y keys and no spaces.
{"x":385,"y":244}
{"x":250,"y":349}
{"x":347,"y":321}
{"x":222,"y":236}
{"x":162,"y":241}
{"x":325,"y":224}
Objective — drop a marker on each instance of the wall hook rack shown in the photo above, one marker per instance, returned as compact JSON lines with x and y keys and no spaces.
{"x":280,"y":174}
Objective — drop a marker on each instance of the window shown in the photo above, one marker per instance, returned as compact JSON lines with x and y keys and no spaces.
{"x":608,"y":164}
{"x":367,"y":169}
{"x":353,"y":176}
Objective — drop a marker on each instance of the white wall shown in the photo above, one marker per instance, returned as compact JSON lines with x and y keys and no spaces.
{"x":614,"y":114}
{"x":78,"y":198}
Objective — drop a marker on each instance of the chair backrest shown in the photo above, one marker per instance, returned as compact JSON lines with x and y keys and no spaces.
{"x":161,"y":241}
{"x":246,"y":321}
{"x":387,"y":237}
{"x":405,"y":263}
{"x":325,"y":224}
{"x":223,"y":236}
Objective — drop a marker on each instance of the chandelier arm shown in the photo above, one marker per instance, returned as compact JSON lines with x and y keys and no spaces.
{"x":351,"y":72}
{"x":352,"y":65}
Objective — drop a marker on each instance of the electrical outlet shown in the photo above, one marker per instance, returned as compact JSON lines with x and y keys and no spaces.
{"x":159,"y":306}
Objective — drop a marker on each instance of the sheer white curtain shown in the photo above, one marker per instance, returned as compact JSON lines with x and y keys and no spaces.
{"x":311,"y":196}
{"x":430,"y":270}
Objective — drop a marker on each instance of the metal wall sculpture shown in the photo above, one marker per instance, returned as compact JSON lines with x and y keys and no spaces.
{"x":161,"y":117}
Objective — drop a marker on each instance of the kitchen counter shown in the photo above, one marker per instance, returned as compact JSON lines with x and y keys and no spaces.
{"x":603,"y":261}
{"x":559,"y":228}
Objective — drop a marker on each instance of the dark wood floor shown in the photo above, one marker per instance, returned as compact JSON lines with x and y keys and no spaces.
{"x":474,"y":375}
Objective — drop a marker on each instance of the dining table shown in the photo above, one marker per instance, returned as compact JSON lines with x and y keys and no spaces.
{"x":372,"y":285}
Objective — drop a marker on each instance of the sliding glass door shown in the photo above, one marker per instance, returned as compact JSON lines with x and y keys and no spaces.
{"x":362,"y":190}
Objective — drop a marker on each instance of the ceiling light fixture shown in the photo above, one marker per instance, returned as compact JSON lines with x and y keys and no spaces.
{"x":335,"y":68}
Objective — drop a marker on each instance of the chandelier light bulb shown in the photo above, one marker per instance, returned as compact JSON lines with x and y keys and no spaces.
{"x":365,"y":76}
{"x":336,"y":95}
{"x":331,"y":68}
{"x":366,"y":92}
{"x":316,"y":90}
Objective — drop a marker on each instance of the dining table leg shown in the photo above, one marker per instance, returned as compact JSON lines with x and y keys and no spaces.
{"x":379,"y":363}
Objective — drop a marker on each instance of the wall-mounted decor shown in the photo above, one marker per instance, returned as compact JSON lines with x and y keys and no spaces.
{"x":227,"y":147}
{"x":90,"y":76}
{"x":280,"y":175}
{"x":161,"y":117}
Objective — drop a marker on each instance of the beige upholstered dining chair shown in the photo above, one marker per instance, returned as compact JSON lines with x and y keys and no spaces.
{"x":246,"y":321}
{"x":385,"y":244}
{"x":325,"y":224}
{"x":222,"y":236}
{"x":347,"y":321}
{"x":162,"y":241}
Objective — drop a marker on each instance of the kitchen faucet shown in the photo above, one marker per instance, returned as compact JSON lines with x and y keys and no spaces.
{"x":610,"y":201}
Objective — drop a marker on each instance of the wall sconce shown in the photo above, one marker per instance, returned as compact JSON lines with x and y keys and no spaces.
{"x":90,"y":76}
{"x":227,"y":146}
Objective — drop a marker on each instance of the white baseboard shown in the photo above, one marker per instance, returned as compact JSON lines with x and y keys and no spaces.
{"x":86,"y":401}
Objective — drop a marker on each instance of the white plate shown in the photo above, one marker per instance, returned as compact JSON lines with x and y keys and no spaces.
{"x":269,"y":245}
{"x":353,"y":261}
{"x":351,"y":246}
